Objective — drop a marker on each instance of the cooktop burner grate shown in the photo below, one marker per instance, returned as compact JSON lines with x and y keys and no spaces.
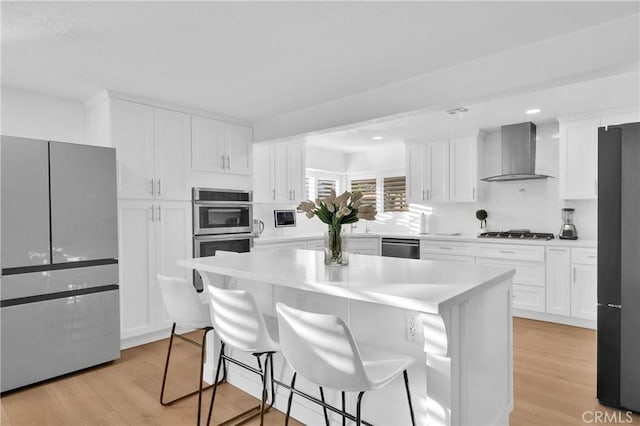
{"x":523,"y":234}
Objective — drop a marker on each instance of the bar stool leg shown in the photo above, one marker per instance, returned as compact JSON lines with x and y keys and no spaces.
{"x":293,"y":382}
{"x":215,"y":383}
{"x":326,"y":413}
{"x":344,"y":410}
{"x":264,"y":386}
{"x":273,"y":385}
{"x":166,"y":365}
{"x":358,"y":413}
{"x":406,"y":385}
{"x":202,"y":356}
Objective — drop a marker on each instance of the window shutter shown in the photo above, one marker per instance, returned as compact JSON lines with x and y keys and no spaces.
{"x":395,"y":194}
{"x":325,"y":186}
{"x":368,"y":189}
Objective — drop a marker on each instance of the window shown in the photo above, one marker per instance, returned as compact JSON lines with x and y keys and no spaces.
{"x":395,"y":194}
{"x":310,"y":188}
{"x":368,"y":189}
{"x":325,"y":186}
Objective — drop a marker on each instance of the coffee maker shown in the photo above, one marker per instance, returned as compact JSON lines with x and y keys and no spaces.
{"x":568,"y":229}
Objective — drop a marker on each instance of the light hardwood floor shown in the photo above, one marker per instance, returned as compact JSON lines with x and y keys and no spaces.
{"x":554,"y":375}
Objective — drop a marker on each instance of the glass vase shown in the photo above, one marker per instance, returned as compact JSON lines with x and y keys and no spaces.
{"x":335,"y":247}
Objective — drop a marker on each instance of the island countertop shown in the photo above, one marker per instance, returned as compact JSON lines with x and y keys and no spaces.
{"x":421,"y":285}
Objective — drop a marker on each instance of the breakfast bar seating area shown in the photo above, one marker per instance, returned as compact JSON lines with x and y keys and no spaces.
{"x":454,"y":320}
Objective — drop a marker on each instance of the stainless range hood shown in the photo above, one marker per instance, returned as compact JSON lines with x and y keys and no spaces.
{"x":518,"y":149}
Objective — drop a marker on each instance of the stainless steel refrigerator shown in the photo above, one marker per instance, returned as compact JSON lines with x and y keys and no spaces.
{"x":619,"y":266}
{"x":59,"y":302}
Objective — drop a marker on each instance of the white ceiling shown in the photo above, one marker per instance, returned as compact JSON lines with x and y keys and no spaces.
{"x":253,"y":60}
{"x":610,"y":93}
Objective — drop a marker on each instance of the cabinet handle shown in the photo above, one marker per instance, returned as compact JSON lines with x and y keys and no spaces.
{"x":474,"y":194}
{"x":423,"y":194}
{"x":158,"y":186}
{"x":506,"y":251}
{"x":574,"y":275}
{"x":153,"y":214}
{"x":560,"y":250}
{"x":446,"y":248}
{"x":592,"y":257}
{"x":428,"y":194}
{"x":159,"y":213}
{"x":611,"y":305}
{"x":228,"y":163}
{"x":273,"y":194}
{"x":294,"y":195}
{"x":224,"y":166}
{"x":152,"y":186}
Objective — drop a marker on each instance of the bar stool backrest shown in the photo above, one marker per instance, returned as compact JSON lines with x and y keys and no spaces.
{"x":182,"y":303}
{"x":321,"y":348}
{"x":238,"y":320}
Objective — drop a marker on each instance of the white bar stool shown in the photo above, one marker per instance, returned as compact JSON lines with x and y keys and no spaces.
{"x":322,"y":349}
{"x":185,"y":310}
{"x":239,"y":323}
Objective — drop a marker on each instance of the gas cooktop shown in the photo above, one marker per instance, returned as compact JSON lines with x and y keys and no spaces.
{"x":523,"y":234}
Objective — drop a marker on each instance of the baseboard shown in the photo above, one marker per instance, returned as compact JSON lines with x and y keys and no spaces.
{"x":559,"y":319}
{"x":143,"y":339}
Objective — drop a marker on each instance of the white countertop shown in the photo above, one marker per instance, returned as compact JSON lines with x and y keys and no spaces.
{"x":421,"y":285}
{"x":556,"y":242}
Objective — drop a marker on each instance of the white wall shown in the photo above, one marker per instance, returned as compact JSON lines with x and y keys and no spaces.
{"x":323,"y":159}
{"x":37,"y":116}
{"x":385,"y":158}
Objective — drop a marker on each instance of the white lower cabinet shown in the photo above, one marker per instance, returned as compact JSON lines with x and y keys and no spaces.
{"x":584,"y":284}
{"x":559,"y":281}
{"x":529,"y":280}
{"x":364,"y":245}
{"x":153,"y":237}
{"x":447,"y":251}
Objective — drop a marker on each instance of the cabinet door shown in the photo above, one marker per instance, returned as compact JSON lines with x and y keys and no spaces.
{"x":415,"y":173}
{"x":238,"y":140}
{"x":296,"y":171}
{"x":263,"y":173}
{"x":437,"y":171}
{"x":463,"y":169}
{"x":280,"y":171}
{"x":558,"y":281}
{"x":578,"y":168}
{"x":207,"y":145}
{"x":584,"y":292}
{"x":172,"y":149}
{"x":138,"y":287}
{"x":132,"y":136}
{"x":173,"y":243}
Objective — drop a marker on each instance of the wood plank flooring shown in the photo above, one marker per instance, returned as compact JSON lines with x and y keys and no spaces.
{"x":554,"y":375}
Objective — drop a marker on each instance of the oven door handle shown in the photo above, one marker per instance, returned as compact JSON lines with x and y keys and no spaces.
{"x":231,"y":237}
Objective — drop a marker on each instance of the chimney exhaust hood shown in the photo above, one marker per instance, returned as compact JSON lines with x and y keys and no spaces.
{"x":518,"y":148}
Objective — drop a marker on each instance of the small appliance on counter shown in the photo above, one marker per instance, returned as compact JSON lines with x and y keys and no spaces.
{"x":568,"y":230}
{"x":258,"y":228}
{"x":284,"y":218}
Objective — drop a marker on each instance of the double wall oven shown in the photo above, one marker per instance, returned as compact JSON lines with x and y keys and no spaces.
{"x":222,"y":220}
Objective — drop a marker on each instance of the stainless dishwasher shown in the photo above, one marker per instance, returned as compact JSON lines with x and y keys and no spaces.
{"x":401,"y":247}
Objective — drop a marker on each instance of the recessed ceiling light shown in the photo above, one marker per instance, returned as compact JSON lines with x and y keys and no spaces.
{"x":377,"y":138}
{"x":533,"y":111}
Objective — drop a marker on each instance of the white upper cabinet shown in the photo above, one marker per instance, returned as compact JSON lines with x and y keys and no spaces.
{"x":152,"y":149}
{"x":463,"y":169}
{"x":437,"y":171}
{"x":578,"y":165}
{"x":220,"y":147}
{"x":172,"y":158}
{"x":578,"y":168}
{"x":279,"y":173}
{"x":415,"y":173}
{"x":132,"y":136}
{"x":207,"y":145}
{"x":442,"y":171}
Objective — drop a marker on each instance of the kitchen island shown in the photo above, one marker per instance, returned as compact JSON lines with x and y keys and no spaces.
{"x":455,"y":319}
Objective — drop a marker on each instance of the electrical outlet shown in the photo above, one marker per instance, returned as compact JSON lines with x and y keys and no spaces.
{"x":412,"y":326}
